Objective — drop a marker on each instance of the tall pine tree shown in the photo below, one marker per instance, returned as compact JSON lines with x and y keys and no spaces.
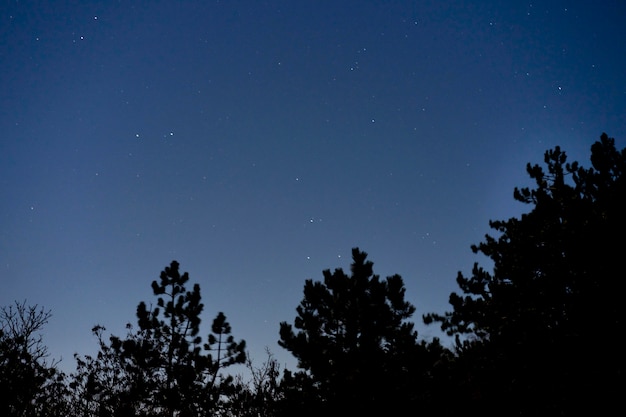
{"x":538,"y":334}
{"x":357,"y":350}
{"x":162,"y":368}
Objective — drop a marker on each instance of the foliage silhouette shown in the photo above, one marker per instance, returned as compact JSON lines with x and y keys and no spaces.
{"x":260,"y":395}
{"x":537,"y":335}
{"x":356,"y":348}
{"x":163,"y":368}
{"x":30,"y":385}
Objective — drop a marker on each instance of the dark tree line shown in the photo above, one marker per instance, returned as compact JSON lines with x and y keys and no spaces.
{"x":357,"y":349}
{"x":163,"y":368}
{"x":539,"y":333}
{"x":30,"y":384}
{"x":536,"y":335}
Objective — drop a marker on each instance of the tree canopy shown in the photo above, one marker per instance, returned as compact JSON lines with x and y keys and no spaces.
{"x":163,"y":368}
{"x":354,"y":342}
{"x":535,"y":335}
{"x":538,"y":333}
{"x":30,"y":384}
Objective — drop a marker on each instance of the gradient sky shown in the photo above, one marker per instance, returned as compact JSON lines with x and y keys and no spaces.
{"x":257,"y":142}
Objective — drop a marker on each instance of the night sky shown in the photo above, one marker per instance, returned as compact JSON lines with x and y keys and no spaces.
{"x":258,"y":142}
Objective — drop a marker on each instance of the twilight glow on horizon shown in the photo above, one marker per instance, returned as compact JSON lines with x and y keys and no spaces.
{"x":257,"y":143}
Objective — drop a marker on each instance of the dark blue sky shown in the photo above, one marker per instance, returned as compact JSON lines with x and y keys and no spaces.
{"x":258,"y":142}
